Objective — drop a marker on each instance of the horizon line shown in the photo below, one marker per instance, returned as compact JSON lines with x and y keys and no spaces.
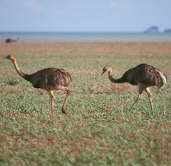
{"x":31,"y":31}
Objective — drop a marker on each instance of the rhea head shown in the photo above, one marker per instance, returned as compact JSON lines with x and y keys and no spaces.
{"x":10,"y":57}
{"x":106,"y":69}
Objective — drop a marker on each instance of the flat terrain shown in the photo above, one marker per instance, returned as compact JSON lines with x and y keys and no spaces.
{"x":98,"y":129}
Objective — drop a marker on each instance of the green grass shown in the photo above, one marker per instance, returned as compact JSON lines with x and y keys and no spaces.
{"x":98,"y":129}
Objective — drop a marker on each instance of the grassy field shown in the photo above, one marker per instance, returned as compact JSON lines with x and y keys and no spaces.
{"x":98,"y":128}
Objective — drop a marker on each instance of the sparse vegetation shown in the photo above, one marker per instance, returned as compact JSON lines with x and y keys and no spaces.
{"x":98,"y":129}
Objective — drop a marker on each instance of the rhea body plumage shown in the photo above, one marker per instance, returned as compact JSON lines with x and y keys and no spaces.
{"x":143,"y":75}
{"x":49,"y":79}
{"x":9,"y":40}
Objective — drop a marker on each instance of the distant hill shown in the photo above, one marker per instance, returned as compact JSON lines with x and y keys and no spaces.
{"x":167,"y":30}
{"x":152,"y":29}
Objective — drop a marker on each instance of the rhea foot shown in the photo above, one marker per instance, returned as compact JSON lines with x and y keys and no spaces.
{"x":63,"y":110}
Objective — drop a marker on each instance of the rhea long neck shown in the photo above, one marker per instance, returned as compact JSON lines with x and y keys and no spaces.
{"x":113,"y":80}
{"x":21,"y":74}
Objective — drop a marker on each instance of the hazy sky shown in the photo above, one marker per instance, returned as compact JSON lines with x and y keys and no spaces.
{"x":84,"y":15}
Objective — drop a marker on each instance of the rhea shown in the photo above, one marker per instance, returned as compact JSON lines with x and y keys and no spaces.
{"x":10,"y":40}
{"x":144,"y":76}
{"x":49,"y":79}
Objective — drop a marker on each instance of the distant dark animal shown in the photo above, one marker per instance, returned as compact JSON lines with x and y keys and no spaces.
{"x":49,"y":79}
{"x":9,"y":40}
{"x":144,"y":76}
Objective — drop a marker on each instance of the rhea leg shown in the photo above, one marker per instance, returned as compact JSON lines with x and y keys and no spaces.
{"x":150,"y":97}
{"x":68,"y":92}
{"x":141,"y":88}
{"x":52,"y":101}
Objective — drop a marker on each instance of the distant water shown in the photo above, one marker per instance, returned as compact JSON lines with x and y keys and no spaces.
{"x":85,"y":36}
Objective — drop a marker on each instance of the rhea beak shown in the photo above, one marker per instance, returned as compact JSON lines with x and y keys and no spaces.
{"x":102,"y":73}
{"x":7,"y":57}
{"x":104,"y":70}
